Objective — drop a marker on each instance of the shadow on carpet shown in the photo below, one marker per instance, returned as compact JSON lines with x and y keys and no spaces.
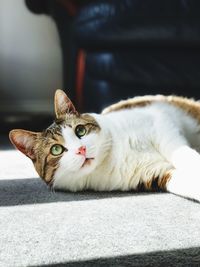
{"x":33,"y":191}
{"x":181,"y":257}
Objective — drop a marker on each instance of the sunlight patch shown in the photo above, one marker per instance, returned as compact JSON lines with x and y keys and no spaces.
{"x":14,"y":165}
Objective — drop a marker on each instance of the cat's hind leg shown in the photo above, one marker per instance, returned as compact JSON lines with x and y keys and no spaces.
{"x":185,"y":179}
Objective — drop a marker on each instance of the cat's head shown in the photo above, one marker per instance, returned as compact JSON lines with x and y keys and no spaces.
{"x":70,"y":147}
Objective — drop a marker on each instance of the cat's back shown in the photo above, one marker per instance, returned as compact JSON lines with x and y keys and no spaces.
{"x":188,"y":106}
{"x":148,"y":114}
{"x":141,"y":122}
{"x":141,"y":115}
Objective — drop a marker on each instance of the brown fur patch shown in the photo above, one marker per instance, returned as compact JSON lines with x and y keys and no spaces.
{"x":138,"y":101}
{"x":190,"y":106}
{"x":162,"y":182}
{"x":156,"y":183}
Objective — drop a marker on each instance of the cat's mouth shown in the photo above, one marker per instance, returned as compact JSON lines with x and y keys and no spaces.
{"x":87,"y":162}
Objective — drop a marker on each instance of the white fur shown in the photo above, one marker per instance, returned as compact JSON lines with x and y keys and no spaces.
{"x":134,"y":146}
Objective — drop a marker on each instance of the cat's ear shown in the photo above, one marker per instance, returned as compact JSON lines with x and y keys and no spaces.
{"x":24,"y":141}
{"x":63,"y":104}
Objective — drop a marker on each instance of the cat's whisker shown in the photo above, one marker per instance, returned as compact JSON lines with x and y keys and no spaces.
{"x":50,"y":185}
{"x":53,"y":189}
{"x":105,"y":146}
{"x":108,"y":141}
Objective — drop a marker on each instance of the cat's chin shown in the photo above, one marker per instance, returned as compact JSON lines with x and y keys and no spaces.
{"x":87,"y":162}
{"x":87,"y":166}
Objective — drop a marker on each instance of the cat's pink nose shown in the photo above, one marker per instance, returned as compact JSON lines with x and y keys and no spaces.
{"x":81,"y":151}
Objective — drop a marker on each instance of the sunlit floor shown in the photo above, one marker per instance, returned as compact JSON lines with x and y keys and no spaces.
{"x":39,"y":227}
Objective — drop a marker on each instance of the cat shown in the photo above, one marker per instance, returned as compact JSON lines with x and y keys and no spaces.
{"x":149,"y":142}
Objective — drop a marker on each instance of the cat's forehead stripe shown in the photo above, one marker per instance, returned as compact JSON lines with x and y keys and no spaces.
{"x":73,"y":120}
{"x":54,"y":129}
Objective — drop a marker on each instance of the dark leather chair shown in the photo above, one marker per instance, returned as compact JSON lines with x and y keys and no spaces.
{"x":121,"y":48}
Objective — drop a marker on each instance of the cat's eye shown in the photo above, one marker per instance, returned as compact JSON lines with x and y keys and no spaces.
{"x":57,"y":150}
{"x":80,"y":130}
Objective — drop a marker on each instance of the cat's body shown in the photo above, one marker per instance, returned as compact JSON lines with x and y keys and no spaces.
{"x":150,"y":142}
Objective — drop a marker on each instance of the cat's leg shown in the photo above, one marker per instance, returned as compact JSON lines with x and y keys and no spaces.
{"x":185,"y":179}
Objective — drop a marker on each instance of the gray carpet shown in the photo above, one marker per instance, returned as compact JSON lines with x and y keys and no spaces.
{"x":43,"y":228}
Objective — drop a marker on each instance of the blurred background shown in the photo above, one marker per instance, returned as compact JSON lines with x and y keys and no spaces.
{"x":30,"y":66}
{"x":98,"y":51}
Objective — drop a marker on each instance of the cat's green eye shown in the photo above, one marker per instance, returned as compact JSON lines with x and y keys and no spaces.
{"x":80,"y":131}
{"x":57,"y":150}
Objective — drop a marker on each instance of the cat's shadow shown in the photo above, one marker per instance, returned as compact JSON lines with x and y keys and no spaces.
{"x":34,"y":191}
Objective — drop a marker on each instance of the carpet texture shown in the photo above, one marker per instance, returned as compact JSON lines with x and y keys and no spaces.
{"x":43,"y":228}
